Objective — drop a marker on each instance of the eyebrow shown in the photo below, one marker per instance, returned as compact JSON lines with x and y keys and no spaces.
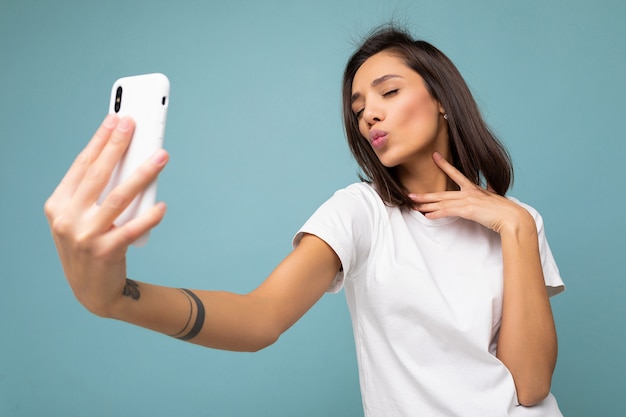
{"x":375,"y":83}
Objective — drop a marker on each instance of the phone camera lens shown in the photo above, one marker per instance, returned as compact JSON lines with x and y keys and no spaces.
{"x":118,"y":99}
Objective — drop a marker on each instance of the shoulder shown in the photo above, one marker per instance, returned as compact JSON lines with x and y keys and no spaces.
{"x":359,"y":189}
{"x":350,"y":211}
{"x":360,"y":196}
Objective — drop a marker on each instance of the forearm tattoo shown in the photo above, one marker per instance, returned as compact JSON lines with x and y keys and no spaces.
{"x":131,"y":289}
{"x":185,"y":334}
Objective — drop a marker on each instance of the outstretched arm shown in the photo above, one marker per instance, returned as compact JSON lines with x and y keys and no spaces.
{"x":93,"y":254}
{"x":527,"y":344}
{"x":239,"y":322}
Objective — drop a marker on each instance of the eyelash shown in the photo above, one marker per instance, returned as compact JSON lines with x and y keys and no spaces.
{"x":387,"y":94}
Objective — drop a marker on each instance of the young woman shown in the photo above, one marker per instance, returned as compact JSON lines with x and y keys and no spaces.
{"x":447,"y":280}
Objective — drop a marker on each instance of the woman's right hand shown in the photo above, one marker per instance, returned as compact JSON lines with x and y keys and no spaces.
{"x":91,"y":248}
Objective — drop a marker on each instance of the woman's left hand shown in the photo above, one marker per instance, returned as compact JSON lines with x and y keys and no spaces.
{"x":470,"y":202}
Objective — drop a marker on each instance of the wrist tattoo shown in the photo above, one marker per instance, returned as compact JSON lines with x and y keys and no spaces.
{"x":199,"y":322}
{"x":131,"y":289}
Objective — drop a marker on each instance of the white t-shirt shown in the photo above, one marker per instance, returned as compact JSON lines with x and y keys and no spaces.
{"x":425,"y":297}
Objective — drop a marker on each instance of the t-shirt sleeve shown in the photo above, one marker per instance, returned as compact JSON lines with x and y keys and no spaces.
{"x":551,"y":274}
{"x":342,"y":222}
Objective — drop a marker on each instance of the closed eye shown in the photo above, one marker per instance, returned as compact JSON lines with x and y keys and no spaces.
{"x":389,"y":93}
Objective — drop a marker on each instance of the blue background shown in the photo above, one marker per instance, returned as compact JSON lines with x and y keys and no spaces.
{"x":256,"y":144}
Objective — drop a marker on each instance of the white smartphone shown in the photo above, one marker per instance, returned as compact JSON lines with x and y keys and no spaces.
{"x":145,"y":98}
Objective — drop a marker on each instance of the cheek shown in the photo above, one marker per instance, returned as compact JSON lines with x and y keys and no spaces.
{"x":420,"y":112}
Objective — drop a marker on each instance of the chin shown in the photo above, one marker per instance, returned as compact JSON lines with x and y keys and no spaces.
{"x":388,"y":161}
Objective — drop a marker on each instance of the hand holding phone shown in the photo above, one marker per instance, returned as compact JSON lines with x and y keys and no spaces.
{"x":145,"y":98}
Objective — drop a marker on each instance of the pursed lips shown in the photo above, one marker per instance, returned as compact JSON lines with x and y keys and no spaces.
{"x":377,"y":138}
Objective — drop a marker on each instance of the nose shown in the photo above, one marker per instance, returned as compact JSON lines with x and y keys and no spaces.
{"x":372,"y":114}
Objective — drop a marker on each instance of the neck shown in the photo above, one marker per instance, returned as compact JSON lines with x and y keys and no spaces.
{"x":424,"y":176}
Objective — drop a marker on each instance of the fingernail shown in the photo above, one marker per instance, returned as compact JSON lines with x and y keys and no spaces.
{"x":160,"y":157}
{"x":110,"y":121}
{"x":124,"y":125}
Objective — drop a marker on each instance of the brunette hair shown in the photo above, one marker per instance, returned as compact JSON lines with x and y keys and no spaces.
{"x":474,"y":149}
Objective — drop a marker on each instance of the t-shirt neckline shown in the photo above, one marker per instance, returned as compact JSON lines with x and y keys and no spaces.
{"x":419,"y":216}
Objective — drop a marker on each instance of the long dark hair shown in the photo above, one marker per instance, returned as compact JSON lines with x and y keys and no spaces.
{"x":474,"y":149}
